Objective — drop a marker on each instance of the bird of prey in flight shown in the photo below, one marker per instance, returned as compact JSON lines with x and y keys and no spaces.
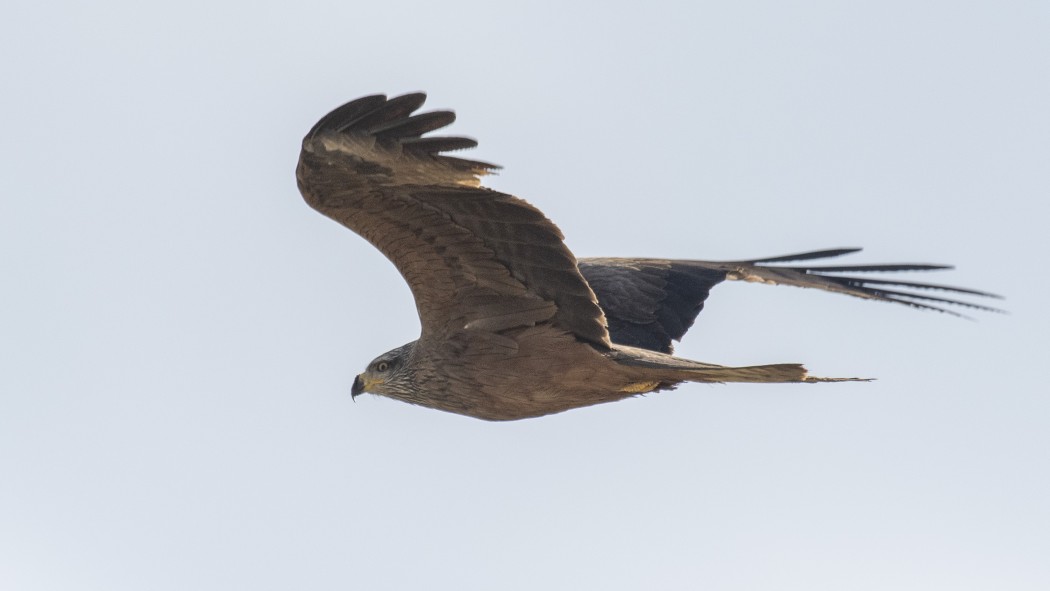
{"x":513,"y":325}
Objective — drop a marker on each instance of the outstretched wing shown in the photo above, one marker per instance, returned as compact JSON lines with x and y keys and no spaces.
{"x":475,"y":259}
{"x":650,"y":302}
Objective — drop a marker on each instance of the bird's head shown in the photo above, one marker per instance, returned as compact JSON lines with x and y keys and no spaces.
{"x":387,"y":375}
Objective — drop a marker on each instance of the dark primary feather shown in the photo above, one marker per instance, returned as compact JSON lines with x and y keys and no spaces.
{"x":437,"y":144}
{"x":651,"y":302}
{"x":395,"y":110}
{"x":341,"y":117}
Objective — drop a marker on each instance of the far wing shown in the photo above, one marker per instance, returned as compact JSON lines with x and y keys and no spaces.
{"x":650,"y":302}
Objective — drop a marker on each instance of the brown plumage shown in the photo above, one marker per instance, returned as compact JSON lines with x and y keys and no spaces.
{"x":513,"y":326}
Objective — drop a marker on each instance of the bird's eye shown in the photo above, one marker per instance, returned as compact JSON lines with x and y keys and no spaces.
{"x":382,"y":366}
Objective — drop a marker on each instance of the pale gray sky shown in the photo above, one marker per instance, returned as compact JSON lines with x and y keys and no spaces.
{"x":179,"y":331}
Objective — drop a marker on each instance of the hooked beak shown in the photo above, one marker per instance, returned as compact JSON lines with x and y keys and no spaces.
{"x":357,"y":388}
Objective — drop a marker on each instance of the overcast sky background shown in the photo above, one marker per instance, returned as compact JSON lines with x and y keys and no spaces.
{"x":179,"y":331}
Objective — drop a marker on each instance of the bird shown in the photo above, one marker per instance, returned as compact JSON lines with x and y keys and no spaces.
{"x":513,"y":325}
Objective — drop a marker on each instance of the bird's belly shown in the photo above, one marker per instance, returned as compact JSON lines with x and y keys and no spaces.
{"x":555,"y":386}
{"x":550,"y":371}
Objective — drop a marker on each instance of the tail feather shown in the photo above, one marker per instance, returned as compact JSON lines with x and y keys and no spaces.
{"x":668,"y":369}
{"x":755,"y":374}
